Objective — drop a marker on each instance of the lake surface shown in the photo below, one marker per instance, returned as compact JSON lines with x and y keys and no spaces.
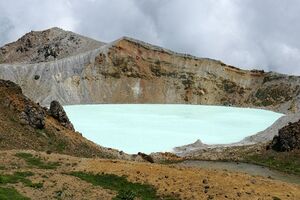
{"x":155,"y":127}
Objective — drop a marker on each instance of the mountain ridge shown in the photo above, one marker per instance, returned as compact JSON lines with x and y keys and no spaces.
{"x":129,"y":71}
{"x":47,"y":45}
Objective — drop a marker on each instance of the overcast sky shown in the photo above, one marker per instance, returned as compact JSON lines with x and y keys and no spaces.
{"x":263,"y":34}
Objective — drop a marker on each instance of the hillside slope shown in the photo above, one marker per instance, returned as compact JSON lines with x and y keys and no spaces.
{"x":26,"y":125}
{"x":131,"y":71}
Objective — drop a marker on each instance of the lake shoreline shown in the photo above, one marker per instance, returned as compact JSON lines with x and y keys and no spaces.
{"x":260,"y":137}
{"x":134,"y":128}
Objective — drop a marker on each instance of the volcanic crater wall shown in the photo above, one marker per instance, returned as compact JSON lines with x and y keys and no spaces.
{"x":131,"y":71}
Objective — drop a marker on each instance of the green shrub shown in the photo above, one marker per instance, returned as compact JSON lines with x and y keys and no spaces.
{"x":126,"y":190}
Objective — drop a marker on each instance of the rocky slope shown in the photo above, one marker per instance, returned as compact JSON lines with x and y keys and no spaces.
{"x":45,"y":46}
{"x":131,"y":71}
{"x":26,"y":125}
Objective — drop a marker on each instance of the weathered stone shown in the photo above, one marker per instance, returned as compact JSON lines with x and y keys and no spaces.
{"x":57,"y":111}
{"x":288,"y":138}
{"x":34,"y":116}
{"x":146,"y":157}
{"x":36,"y":77}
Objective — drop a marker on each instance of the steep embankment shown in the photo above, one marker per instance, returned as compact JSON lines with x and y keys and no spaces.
{"x":26,"y":125}
{"x":130,"y":71}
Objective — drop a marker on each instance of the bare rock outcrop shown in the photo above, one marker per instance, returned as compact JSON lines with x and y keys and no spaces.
{"x":33,"y":116}
{"x":288,"y":138}
{"x":29,"y":113}
{"x":57,"y":111}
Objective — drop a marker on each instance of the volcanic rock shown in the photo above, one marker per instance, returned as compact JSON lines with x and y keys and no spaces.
{"x":57,"y":111}
{"x":288,"y":138}
{"x":33,"y":116}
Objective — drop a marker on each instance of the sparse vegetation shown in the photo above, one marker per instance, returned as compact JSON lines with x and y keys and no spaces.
{"x":288,"y":162}
{"x":273,"y":95}
{"x":40,"y":132}
{"x":126,"y":190}
{"x":11,"y":193}
{"x":19,"y":177}
{"x":15,"y":178}
{"x":61,"y":145}
{"x":37,"y":162}
{"x":126,"y":195}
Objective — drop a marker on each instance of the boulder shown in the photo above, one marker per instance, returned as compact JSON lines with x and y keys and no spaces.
{"x":288,"y":138}
{"x":33,"y":116}
{"x":57,"y":111}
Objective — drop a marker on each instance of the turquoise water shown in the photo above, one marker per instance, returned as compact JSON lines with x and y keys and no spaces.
{"x":154,"y":127}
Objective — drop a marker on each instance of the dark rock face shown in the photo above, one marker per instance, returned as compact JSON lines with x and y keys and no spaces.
{"x":33,"y":116}
{"x":57,"y":111}
{"x":288,"y":138}
{"x":10,"y":85}
{"x":29,"y":114}
{"x":146,"y":157}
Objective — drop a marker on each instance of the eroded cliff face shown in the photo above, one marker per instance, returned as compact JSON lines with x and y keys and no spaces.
{"x":130,"y":71}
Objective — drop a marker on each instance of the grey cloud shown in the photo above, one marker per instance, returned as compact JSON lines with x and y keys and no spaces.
{"x":245,"y":33}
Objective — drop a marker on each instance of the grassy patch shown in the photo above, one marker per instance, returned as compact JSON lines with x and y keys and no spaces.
{"x":40,"y":132}
{"x":15,"y":178}
{"x":10,"y":193}
{"x":61,"y":146}
{"x":126,"y":190}
{"x":13,"y":119}
{"x":37,"y":162}
{"x":19,"y":177}
{"x":288,"y":162}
